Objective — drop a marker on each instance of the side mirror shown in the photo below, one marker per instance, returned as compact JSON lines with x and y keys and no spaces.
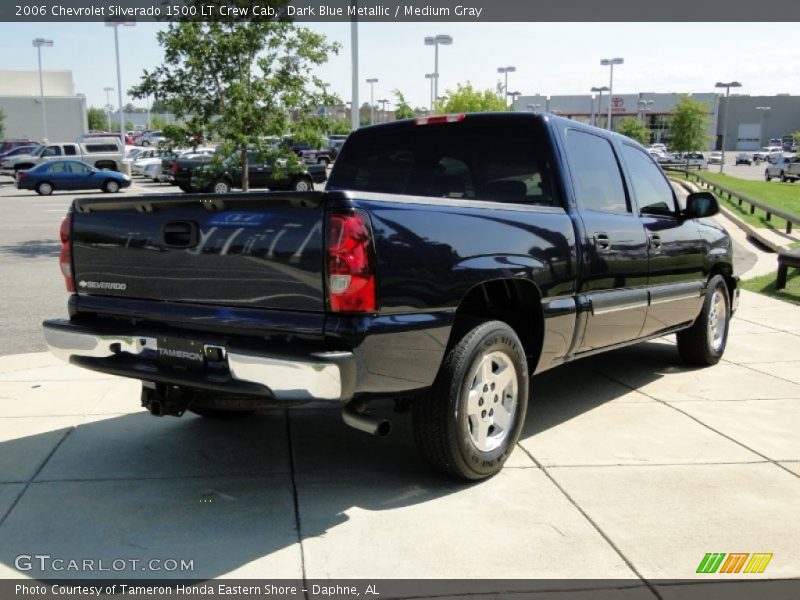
{"x":700,"y":205}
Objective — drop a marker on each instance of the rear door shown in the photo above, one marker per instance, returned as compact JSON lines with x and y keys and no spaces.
{"x":614,"y":246}
{"x":676,"y":250}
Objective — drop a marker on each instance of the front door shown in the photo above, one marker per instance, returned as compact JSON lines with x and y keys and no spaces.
{"x":676,"y":250}
{"x":614,"y":245}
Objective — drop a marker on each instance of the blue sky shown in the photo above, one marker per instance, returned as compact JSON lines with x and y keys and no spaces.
{"x":551,"y":58}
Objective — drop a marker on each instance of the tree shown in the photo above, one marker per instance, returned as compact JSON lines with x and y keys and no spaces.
{"x":465,"y":98}
{"x":96,"y":119}
{"x":403,"y":109}
{"x":634,"y":129}
{"x":239,"y":79}
{"x":689,"y":125}
{"x":2,"y":123}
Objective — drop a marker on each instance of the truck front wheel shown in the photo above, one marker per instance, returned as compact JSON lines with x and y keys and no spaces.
{"x":703,"y":344}
{"x":470,"y":420}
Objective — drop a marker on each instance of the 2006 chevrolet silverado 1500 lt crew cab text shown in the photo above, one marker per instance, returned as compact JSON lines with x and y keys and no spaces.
{"x":449,"y":258}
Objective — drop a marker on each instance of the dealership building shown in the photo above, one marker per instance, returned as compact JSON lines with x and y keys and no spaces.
{"x":751,"y":120}
{"x":21,"y":104}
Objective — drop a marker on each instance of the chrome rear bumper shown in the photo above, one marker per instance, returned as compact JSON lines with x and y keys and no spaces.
{"x":316,"y":376}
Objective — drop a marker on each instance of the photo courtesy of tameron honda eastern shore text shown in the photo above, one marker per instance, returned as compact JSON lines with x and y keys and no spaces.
{"x":449,"y":259}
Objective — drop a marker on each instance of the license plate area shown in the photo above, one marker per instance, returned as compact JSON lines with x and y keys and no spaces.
{"x":181,"y":353}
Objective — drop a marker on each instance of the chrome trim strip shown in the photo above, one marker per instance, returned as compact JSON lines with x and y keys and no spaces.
{"x":288,"y":379}
{"x":617,"y":300}
{"x":672,"y":292}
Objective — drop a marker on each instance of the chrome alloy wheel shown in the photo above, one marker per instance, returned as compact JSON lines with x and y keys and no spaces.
{"x":717,"y":318}
{"x":492,"y":401}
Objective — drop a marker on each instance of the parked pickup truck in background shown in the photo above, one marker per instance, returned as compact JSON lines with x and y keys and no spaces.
{"x":449,"y":259}
{"x":785,"y":168}
{"x":100,"y":153}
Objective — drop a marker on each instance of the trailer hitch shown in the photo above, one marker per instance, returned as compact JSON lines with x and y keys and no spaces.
{"x":162,"y":399}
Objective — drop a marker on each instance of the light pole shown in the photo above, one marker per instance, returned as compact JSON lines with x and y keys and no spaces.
{"x":107,"y":90}
{"x":600,"y":91}
{"x":643,"y":108}
{"x":355,"y":112}
{"x":505,"y":71}
{"x":383,"y":104}
{"x":610,"y":62}
{"x":432,"y":76}
{"x":727,"y":86}
{"x":514,"y":96}
{"x":372,"y":81}
{"x":763,"y":110}
{"x":115,"y":23}
{"x":534,"y":107}
{"x":435,"y":41}
{"x":38,"y":43}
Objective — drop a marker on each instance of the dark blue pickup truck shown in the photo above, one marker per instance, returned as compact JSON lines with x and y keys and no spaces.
{"x":449,"y":259}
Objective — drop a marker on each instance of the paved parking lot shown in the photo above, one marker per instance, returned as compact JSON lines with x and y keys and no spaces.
{"x":631,"y":466}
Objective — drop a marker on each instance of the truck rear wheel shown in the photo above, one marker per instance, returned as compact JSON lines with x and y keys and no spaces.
{"x":703,"y":344}
{"x":470,"y":420}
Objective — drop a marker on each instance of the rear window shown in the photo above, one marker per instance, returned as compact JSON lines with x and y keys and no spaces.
{"x":483,"y":162}
{"x":92,"y":147}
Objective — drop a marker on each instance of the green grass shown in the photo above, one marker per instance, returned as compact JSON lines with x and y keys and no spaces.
{"x":765,"y":284}
{"x":785,"y":196}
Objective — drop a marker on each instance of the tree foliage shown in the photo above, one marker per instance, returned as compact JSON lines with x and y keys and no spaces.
{"x":96,"y":119}
{"x":238,"y":79}
{"x":402,"y":109}
{"x":466,"y":98}
{"x":688,"y":126}
{"x":634,"y":129}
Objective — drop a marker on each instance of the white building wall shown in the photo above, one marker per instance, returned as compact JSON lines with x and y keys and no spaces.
{"x":66,"y":117}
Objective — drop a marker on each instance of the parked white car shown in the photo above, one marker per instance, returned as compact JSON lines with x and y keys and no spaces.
{"x":150,"y":138}
{"x":100,"y":153}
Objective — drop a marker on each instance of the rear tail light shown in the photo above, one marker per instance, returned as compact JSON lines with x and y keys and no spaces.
{"x":22,"y":175}
{"x":351,"y":263}
{"x":65,"y":256}
{"x":174,"y":166}
{"x":441,"y":119}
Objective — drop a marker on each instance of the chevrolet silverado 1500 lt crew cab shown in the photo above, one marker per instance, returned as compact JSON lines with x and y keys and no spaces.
{"x":449,"y":259}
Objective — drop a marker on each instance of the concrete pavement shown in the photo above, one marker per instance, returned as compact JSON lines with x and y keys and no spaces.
{"x":630,"y":466}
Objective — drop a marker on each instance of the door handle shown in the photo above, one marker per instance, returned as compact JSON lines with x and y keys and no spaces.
{"x":655,"y":241}
{"x":601,"y":241}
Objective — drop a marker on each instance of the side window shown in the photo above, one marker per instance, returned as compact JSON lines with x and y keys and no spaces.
{"x":598,"y":181}
{"x":70,"y":150}
{"x":52,"y":151}
{"x":59,"y":167}
{"x":653,"y":193}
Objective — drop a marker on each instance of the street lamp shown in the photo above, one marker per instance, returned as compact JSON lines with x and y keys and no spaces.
{"x":436,"y":41}
{"x":107,"y":90}
{"x":383,"y":104}
{"x":610,"y":62}
{"x":727,"y":86}
{"x":372,"y":81}
{"x":534,"y":107}
{"x":599,"y":90}
{"x":644,"y":108}
{"x":38,"y":43}
{"x":505,"y":71}
{"x":514,"y":96}
{"x":115,"y":22}
{"x":763,"y":110}
{"x":432,"y":76}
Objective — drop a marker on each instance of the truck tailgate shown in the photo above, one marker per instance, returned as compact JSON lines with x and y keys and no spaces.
{"x":261,"y":250}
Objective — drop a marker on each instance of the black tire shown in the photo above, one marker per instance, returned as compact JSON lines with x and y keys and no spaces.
{"x":303,"y":184}
{"x":783,"y":177}
{"x":703,"y":344}
{"x":44,"y":188}
{"x":766,"y":176}
{"x":220,"y":413}
{"x":444,"y":430}
{"x":111,"y":186}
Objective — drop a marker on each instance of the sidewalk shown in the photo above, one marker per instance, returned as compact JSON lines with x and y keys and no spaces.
{"x":630,"y":466}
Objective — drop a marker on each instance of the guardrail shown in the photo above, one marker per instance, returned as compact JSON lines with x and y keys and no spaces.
{"x":741,"y":198}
